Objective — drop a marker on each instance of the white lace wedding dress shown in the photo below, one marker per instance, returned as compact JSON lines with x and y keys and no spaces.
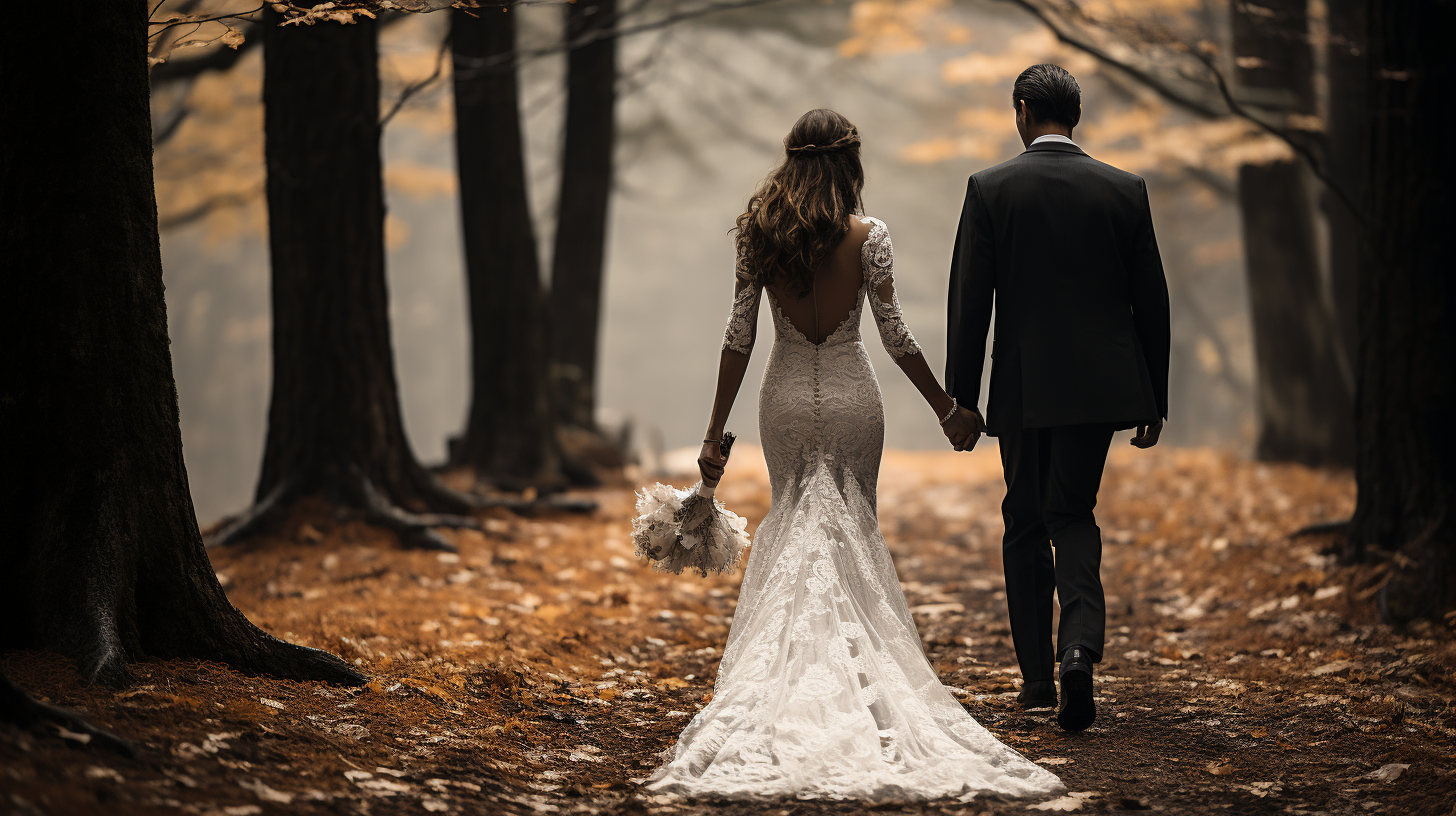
{"x":824,"y":689}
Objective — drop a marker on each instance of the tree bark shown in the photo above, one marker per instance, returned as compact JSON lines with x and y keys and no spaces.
{"x":334,"y":421}
{"x":581,"y":229}
{"x":1406,"y":472}
{"x":510,"y":433}
{"x":101,"y":559}
{"x":1303,"y":394}
{"x":1347,"y":159}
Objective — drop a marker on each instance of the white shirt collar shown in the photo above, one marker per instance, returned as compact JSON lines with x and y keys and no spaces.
{"x":1053,"y":137}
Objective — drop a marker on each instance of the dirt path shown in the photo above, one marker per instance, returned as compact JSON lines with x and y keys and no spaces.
{"x":543,"y":669}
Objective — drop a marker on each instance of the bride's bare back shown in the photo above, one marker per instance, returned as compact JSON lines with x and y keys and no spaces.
{"x":836,"y":289}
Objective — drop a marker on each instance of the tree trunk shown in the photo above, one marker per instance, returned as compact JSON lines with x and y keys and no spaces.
{"x":1305,"y":413}
{"x":334,"y":422}
{"x":101,"y":558}
{"x":1347,"y":160}
{"x":1303,"y":392}
{"x":1406,"y":472}
{"x":581,"y":229}
{"x":1275,"y":64}
{"x":510,"y":433}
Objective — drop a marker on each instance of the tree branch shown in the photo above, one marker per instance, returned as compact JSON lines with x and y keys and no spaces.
{"x":218,"y":59}
{"x":1147,"y":78}
{"x":199,"y":211}
{"x":1159,"y":85}
{"x":1315,"y":165}
{"x":415,"y":87}
{"x":618,"y":31}
{"x":241,"y":15}
{"x":173,"y":120}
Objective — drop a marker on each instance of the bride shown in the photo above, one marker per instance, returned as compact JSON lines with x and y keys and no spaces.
{"x":824,"y":689}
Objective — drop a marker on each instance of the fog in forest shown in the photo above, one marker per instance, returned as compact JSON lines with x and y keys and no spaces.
{"x":704,"y":106}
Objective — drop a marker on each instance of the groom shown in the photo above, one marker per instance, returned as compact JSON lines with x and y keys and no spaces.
{"x":1063,"y":245}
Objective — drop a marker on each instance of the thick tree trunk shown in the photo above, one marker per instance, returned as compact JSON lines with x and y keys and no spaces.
{"x":334,"y":422}
{"x":1406,"y":471}
{"x":1303,"y":385}
{"x":101,"y":558}
{"x":510,"y":434}
{"x":581,"y":229}
{"x":1347,"y":159}
{"x":1305,"y":413}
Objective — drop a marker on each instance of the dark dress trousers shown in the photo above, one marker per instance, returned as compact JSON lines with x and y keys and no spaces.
{"x":1062,"y":245}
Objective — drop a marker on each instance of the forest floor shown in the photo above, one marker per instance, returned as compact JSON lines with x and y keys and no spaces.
{"x":544,"y":669}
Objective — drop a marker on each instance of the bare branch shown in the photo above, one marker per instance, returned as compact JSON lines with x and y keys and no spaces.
{"x":415,"y":87}
{"x":1161,"y":86}
{"x":223,"y":59}
{"x":173,"y":120}
{"x":200,"y":211}
{"x":618,"y":31}
{"x":1147,"y":78}
{"x":163,"y":25}
{"x":1315,"y":164}
{"x":217,"y":59}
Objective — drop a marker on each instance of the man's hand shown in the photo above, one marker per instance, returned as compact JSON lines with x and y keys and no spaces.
{"x":711,"y":462}
{"x":963,"y":429}
{"x":1147,"y":435}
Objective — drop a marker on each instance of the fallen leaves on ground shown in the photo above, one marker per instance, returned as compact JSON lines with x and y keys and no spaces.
{"x":544,"y":669}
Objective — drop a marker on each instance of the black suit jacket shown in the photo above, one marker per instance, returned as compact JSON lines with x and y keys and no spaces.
{"x":1064,"y":245}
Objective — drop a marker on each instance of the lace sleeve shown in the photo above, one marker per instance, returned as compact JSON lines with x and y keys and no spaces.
{"x":878,"y":258}
{"x":743,"y":319}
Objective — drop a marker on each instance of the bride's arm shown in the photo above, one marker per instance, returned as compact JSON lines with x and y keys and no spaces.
{"x":961,"y":427}
{"x":732,"y":365}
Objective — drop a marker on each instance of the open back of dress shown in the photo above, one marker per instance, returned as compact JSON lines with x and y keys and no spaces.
{"x":836,"y":294}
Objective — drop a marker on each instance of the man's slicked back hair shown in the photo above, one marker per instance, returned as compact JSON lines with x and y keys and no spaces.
{"x":1051,"y":93}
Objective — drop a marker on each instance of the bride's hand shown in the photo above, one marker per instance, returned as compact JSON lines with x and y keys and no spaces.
{"x":963,"y":429}
{"x":710,"y":463}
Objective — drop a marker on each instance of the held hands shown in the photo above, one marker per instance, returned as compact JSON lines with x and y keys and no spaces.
{"x":964,"y":428}
{"x":711,"y":462}
{"x":1147,"y":435}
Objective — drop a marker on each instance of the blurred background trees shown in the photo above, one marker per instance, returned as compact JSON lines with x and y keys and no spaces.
{"x":334,"y":424}
{"x":579,"y":261}
{"x":1252,"y":123}
{"x":1305,"y":387}
{"x":510,"y":430}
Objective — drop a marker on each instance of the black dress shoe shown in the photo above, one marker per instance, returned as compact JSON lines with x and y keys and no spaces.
{"x":1038,"y":694}
{"x":1078,"y":711}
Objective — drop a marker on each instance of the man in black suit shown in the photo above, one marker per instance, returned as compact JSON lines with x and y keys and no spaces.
{"x":1064,"y":246}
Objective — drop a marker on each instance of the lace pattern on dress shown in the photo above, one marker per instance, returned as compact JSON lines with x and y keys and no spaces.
{"x":878,"y":258}
{"x":739,"y":334}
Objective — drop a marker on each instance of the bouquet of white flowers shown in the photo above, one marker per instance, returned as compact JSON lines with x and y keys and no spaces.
{"x":677,"y":529}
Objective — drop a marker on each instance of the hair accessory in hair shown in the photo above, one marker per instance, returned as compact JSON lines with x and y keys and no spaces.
{"x":844,"y":142}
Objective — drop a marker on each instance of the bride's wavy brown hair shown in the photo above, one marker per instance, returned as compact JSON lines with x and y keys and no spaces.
{"x":801,"y":212}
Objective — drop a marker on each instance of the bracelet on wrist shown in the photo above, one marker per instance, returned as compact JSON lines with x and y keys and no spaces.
{"x":952,"y":412}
